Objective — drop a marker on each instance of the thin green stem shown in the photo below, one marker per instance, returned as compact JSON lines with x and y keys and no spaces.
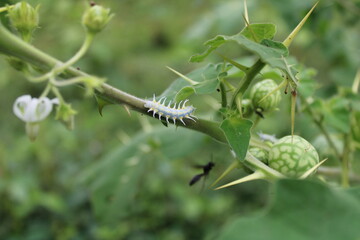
{"x":345,"y":161}
{"x":67,"y":82}
{"x":87,"y":42}
{"x":57,"y":70}
{"x":239,"y":105}
{"x":223,"y":94}
{"x":46,"y":90}
{"x":4,"y":9}
{"x":58,"y":94}
{"x":251,"y":73}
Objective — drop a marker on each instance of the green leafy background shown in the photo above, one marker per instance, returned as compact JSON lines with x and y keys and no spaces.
{"x":126,"y":177}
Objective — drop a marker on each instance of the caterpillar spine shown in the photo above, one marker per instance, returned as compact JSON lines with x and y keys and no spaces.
{"x":174,"y":113}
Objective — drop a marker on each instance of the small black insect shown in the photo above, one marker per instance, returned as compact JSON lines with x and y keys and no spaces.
{"x":206,"y":169}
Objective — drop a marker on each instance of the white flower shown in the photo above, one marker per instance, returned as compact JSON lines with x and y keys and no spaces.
{"x":32,"y":110}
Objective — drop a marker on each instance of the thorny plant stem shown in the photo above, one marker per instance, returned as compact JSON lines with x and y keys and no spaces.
{"x":252,"y":72}
{"x":14,"y":46}
{"x":223,"y":95}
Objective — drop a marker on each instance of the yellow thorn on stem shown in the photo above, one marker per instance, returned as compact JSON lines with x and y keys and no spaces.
{"x":256,"y":175}
{"x":232,"y":166}
{"x":313,"y":169}
{"x":246,"y":14}
{"x":292,"y":35}
{"x":282,"y":84}
{"x":192,"y":82}
{"x":356,"y":83}
{"x":127,"y":109}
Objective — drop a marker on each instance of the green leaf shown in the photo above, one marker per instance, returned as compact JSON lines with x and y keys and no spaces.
{"x":270,"y":52}
{"x":337,"y":114}
{"x":207,"y":79}
{"x":302,"y":210}
{"x":237,"y":132}
{"x":184,"y":93}
{"x":259,"y":31}
{"x":308,"y":85}
{"x":113,"y":180}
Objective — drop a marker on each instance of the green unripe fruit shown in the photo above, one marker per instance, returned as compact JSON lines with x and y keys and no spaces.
{"x":260,"y":154}
{"x":260,"y":90}
{"x":292,"y":156}
{"x":96,"y":18}
{"x":246,"y":107}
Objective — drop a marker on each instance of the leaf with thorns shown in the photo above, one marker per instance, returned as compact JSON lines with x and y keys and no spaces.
{"x":236,"y":64}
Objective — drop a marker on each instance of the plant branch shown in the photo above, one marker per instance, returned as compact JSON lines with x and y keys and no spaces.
{"x":14,"y":46}
{"x":250,"y":74}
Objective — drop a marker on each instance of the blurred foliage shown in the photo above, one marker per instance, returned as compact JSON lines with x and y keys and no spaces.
{"x":312,"y":222}
{"x":78,"y":185}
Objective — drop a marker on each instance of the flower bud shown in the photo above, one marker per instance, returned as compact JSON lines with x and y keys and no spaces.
{"x":24,"y":18}
{"x":95,"y":18}
{"x":65,"y":114}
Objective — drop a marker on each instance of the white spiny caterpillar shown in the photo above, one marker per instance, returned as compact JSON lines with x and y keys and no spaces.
{"x":159,"y":108}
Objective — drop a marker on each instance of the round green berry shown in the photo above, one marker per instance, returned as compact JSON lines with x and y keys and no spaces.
{"x":293,"y":156}
{"x":246,"y":107}
{"x":260,"y":90}
{"x":260,"y":154}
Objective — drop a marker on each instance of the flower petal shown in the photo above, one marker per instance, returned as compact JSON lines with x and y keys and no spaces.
{"x":20,"y":106}
{"x":40,"y":109}
{"x":55,"y":101}
{"x":32,"y":110}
